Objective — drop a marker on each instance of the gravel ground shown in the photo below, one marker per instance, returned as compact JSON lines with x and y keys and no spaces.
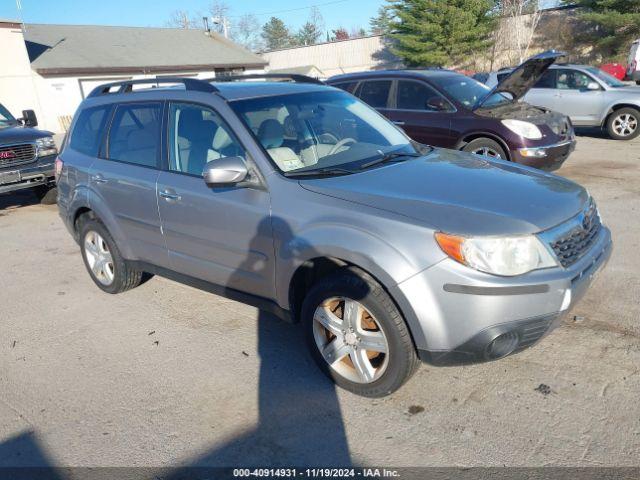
{"x":167,"y":375}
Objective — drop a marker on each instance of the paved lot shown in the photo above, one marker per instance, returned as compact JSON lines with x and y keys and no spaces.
{"x":167,"y":375}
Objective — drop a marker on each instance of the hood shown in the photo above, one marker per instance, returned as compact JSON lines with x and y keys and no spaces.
{"x":524,"y":77}
{"x":557,"y":122}
{"x":18,"y":133}
{"x":460,"y":193}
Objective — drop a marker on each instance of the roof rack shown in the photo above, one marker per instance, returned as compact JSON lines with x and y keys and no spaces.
{"x":126,"y":86}
{"x":294,"y":77}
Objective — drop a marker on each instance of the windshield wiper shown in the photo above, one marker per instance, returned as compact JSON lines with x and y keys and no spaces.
{"x":321,"y":172}
{"x":389,"y":157}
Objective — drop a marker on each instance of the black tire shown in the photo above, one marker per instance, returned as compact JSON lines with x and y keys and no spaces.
{"x":355,"y":284}
{"x":479,"y":144}
{"x":47,"y":194}
{"x":124,"y":277}
{"x":614,"y":127}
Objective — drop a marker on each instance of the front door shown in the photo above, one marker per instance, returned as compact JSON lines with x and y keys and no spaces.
{"x":575,"y":99}
{"x":423,"y":113}
{"x":125,"y":181}
{"x":221,"y":235}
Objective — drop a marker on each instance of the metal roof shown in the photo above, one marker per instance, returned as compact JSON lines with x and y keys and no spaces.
{"x":58,"y":49}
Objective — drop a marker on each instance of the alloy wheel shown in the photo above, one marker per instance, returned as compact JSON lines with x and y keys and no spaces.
{"x":350,"y":340}
{"x":99,"y":257}
{"x":487,"y":152}
{"x":625,"y":125}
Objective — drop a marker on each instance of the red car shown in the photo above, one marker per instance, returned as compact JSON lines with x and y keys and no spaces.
{"x":615,"y":69}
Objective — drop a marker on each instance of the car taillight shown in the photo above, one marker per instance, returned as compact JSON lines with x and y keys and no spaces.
{"x":58,"y":169}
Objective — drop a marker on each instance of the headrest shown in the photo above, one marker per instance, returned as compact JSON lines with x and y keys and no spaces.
{"x":271,"y":134}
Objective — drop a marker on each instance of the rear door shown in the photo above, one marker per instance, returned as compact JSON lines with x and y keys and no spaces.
{"x":423,"y":113}
{"x":376,"y":93}
{"x":124,"y":179}
{"x":221,"y":235}
{"x":544,"y":93}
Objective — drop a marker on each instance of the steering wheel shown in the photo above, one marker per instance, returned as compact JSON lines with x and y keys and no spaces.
{"x":342,"y":143}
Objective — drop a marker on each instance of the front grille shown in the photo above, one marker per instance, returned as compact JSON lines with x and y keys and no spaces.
{"x":572,"y":245}
{"x":11,"y":155}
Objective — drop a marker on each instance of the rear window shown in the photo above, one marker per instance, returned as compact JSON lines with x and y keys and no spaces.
{"x":88,"y":130}
{"x":548,"y":80}
{"x":135,"y":134}
{"x":375,"y":93}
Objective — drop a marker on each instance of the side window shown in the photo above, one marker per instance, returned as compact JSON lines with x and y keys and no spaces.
{"x":135,"y":134}
{"x":346,"y":86}
{"x":418,"y":96}
{"x":197,"y":135}
{"x":548,"y":80}
{"x":88,"y":130}
{"x":375,"y":93}
{"x":573,"y":80}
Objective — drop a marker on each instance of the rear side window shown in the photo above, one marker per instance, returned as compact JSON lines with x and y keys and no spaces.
{"x":548,"y":80}
{"x":346,"y":86}
{"x":375,"y":93}
{"x":88,"y":130}
{"x":418,"y":96}
{"x":135,"y":134}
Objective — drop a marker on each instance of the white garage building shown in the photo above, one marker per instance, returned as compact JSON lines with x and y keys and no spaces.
{"x":51,"y":68}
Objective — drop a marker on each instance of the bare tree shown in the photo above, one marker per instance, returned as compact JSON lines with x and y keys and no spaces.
{"x":246,"y":31}
{"x":180,"y":19}
{"x":518,"y":23}
{"x":219,"y":12}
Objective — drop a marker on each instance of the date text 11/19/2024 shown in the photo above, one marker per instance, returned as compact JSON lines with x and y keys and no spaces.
{"x":316,"y":473}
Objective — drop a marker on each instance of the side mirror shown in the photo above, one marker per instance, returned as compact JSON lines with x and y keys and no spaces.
{"x":438,"y":104}
{"x":224,"y":172}
{"x":29,"y":118}
{"x":593,"y":86}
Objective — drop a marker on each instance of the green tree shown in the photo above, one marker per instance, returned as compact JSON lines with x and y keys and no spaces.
{"x":618,"y":23}
{"x":381,"y":23}
{"x":312,"y":30}
{"x":440,"y":32}
{"x":276,"y":34}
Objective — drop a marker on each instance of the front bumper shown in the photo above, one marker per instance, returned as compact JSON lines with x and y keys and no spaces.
{"x":41,"y":172}
{"x":547,"y":157}
{"x":459,"y":312}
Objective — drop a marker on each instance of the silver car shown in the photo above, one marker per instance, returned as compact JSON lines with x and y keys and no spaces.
{"x":299,"y":199}
{"x":587,"y":95}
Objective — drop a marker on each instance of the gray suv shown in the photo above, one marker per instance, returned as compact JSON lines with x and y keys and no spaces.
{"x":301,"y":200}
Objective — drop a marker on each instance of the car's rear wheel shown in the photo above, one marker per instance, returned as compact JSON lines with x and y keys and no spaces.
{"x":624,"y":124}
{"x":47,"y":195}
{"x":106,"y":266}
{"x":356,"y":334}
{"x":485,"y":147}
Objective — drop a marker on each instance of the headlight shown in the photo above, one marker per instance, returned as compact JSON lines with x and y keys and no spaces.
{"x":46,"y":146}
{"x":506,"y":256}
{"x":524,"y":129}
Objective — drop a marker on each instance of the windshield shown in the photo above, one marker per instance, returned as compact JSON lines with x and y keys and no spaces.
{"x":321,"y":130}
{"x":468,"y":91}
{"x":610,"y":80}
{"x":5,"y":117}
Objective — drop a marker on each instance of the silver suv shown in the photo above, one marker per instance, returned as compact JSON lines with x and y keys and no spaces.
{"x":301,"y":200}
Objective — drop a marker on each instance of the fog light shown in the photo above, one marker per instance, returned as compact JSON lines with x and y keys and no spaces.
{"x":502,"y":345}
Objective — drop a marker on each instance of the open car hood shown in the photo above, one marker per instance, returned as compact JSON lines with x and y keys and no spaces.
{"x":524,"y":77}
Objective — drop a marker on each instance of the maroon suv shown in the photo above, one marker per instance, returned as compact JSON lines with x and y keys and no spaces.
{"x":446,"y":109}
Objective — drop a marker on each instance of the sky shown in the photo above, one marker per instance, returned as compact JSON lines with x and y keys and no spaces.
{"x":337,"y":13}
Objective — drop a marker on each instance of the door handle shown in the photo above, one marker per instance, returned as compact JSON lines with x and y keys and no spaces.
{"x":98,"y":178}
{"x":400,"y":123}
{"x":170,"y":196}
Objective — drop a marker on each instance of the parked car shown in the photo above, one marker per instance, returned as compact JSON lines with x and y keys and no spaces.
{"x":27,"y":156}
{"x":302,"y":200}
{"x":633,"y":63}
{"x":446,"y":109}
{"x":616,"y":70}
{"x":590,"y":97}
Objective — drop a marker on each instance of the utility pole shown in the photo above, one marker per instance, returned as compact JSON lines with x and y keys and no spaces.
{"x":224,"y":23}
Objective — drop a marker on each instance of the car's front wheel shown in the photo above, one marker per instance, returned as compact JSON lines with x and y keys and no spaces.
{"x":106,"y":266}
{"x":356,"y":334}
{"x":485,"y":147}
{"x":624,"y":124}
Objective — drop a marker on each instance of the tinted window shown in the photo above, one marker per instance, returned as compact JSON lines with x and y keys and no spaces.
{"x":467,"y":91}
{"x":346,"y":86}
{"x":135,"y":134}
{"x":418,"y":96}
{"x":197,"y":135}
{"x":375,"y":93}
{"x":88,"y":130}
{"x":572,"y":80}
{"x":548,"y":80}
